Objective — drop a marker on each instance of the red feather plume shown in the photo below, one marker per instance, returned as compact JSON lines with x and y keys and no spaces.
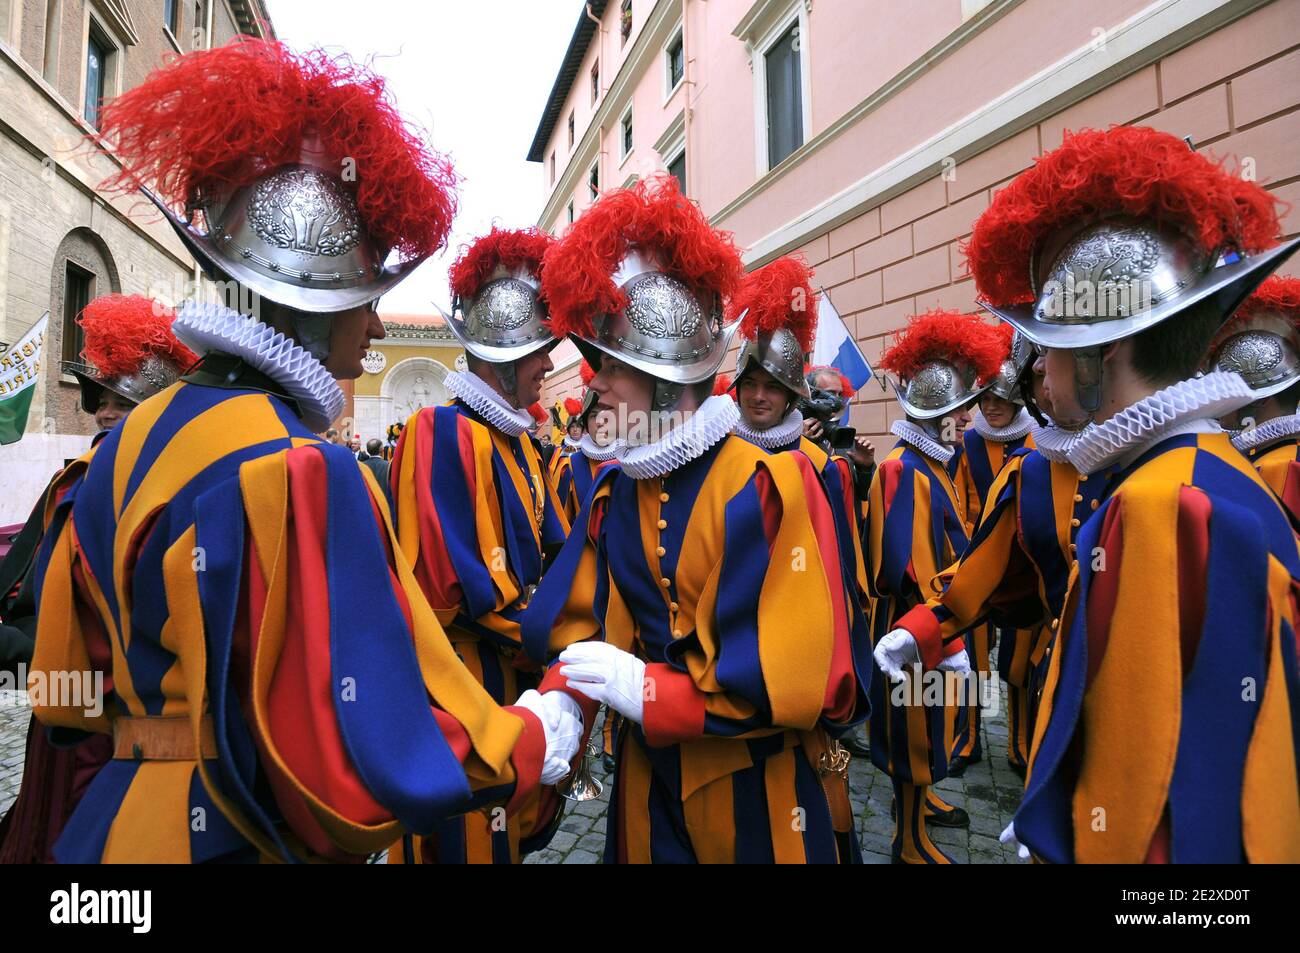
{"x":572,"y":406}
{"x":509,"y":248}
{"x":721,"y":385}
{"x":778,"y":295}
{"x":946,"y":336}
{"x":1128,"y":170}
{"x":122,"y":331}
{"x":1277,"y":294}
{"x":587,"y":373}
{"x":214,"y":120}
{"x":538,"y":413}
{"x":652,"y":215}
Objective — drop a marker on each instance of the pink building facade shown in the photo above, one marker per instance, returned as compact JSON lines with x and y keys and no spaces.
{"x":869,"y":134}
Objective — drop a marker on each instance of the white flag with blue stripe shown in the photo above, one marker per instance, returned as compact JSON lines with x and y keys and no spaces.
{"x":834,"y":345}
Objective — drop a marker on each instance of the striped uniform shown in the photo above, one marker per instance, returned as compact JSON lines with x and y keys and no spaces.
{"x":207,"y":559}
{"x":837,"y":477}
{"x":572,"y":475}
{"x":475,"y":517}
{"x":701,"y":572}
{"x":1279,"y":466}
{"x":916,"y":527}
{"x":984,"y":459}
{"x":1176,"y":658}
{"x":1016,"y":569}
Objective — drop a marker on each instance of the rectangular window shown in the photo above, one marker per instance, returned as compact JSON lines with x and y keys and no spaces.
{"x":170,"y":10}
{"x":593,"y":181}
{"x":677,"y":169}
{"x":784,"y":97}
{"x":570,"y":211}
{"x":626,"y":129}
{"x":98,"y":50}
{"x":676,"y":61}
{"x":552,"y":168}
{"x":570,"y":130}
{"x":78,"y":285}
{"x":625,"y":21}
{"x":595,"y":82}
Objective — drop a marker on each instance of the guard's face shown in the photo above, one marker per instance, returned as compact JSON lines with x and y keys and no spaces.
{"x":351,"y":332}
{"x":997,"y":411}
{"x":111,"y":410}
{"x":1057,"y":367}
{"x":624,"y":398}
{"x":530,"y":372}
{"x":953,"y":425}
{"x":575,"y":430}
{"x":763,"y":401}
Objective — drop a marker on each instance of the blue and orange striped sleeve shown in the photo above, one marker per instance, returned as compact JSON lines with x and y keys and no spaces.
{"x":319,"y":636}
{"x":993,"y":576}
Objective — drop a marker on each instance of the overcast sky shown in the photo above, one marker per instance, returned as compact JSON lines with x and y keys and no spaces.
{"x":476,"y":75}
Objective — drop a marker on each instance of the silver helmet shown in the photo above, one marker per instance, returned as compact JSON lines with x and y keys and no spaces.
{"x":666,"y":330}
{"x":1007,"y":384}
{"x":153,"y":375}
{"x":295,"y":237}
{"x":1264,"y":350}
{"x":1117,"y":276}
{"x":938,"y":388}
{"x":505,"y":320}
{"x":780,"y":355}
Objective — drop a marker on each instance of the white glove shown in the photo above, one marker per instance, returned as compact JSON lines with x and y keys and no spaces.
{"x":1009,"y":838}
{"x":561,"y":720}
{"x":608,"y":675}
{"x":895,"y":652}
{"x":958,"y":662}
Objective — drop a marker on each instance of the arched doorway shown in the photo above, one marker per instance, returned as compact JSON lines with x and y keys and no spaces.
{"x":409,"y":385}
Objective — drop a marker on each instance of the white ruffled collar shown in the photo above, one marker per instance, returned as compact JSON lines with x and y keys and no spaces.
{"x":1020,"y":426}
{"x":1055,"y":442}
{"x":487,"y":403}
{"x":594,"y":451}
{"x":1190,"y":406}
{"x":922,"y":442}
{"x":1270,"y":431}
{"x":788,"y":430}
{"x":711,"y":423}
{"x":570,"y":443}
{"x":206,"y":327}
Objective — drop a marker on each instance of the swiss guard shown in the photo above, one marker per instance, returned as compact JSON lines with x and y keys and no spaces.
{"x":942,"y":361}
{"x":1000,"y":425}
{"x":476,"y":515}
{"x":561,"y":469}
{"x":205,"y":558}
{"x":1262,"y":344}
{"x":689,"y":560}
{"x":1017,"y":567}
{"x":1121,"y":253}
{"x":130,"y":354}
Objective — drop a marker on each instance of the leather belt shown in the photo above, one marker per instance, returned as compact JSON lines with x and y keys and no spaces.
{"x":161,"y":738}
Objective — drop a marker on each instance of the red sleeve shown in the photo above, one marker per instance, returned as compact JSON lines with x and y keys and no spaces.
{"x":673,"y":708}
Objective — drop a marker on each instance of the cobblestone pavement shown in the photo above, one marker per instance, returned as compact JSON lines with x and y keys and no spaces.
{"x":989,"y":791}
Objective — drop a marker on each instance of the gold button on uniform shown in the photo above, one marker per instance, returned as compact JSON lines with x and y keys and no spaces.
{"x":1056,"y":623}
{"x":660,"y":551}
{"x":665,"y":583}
{"x":1095,"y":503}
{"x":1074,"y":522}
{"x":1078,"y":498}
{"x":677,"y":633}
{"x":663,"y":497}
{"x":663,"y":524}
{"x":673,"y":606}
